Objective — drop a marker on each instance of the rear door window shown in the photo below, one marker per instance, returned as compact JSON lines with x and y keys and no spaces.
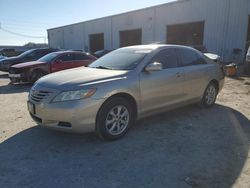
{"x":81,"y":57}
{"x":190,"y":57}
{"x":66,"y":57}
{"x":167,"y":58}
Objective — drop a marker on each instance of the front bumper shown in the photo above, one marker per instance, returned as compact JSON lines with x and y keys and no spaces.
{"x":72,"y":116}
{"x":18,"y":78}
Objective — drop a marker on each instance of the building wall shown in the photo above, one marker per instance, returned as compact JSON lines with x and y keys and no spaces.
{"x":142,"y":19}
{"x":73,"y":37}
{"x":99,"y":26}
{"x":236,"y":33}
{"x":56,"y":38}
{"x":226,"y":23}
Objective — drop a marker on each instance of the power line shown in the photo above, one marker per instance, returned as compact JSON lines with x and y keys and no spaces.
{"x":19,"y":34}
{"x":30,"y":22}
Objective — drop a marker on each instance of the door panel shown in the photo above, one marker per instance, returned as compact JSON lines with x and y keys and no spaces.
{"x":195,"y":73}
{"x":61,"y":66}
{"x":161,"y":88}
{"x":81,"y":60}
{"x":195,"y":81}
{"x":63,"y":62}
{"x":165,"y":87}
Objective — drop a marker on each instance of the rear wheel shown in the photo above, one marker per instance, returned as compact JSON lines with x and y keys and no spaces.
{"x":210,"y":95}
{"x":114,"y":118}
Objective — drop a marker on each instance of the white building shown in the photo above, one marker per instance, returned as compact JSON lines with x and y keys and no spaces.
{"x":222,"y":26}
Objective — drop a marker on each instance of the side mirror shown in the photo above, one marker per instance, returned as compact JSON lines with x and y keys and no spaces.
{"x":153,"y":67}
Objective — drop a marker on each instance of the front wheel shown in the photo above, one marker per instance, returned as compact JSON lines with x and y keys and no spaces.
{"x":114,"y":119}
{"x":210,"y":95}
{"x":37,"y":75}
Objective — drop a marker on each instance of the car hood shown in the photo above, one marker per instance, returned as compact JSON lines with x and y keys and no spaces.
{"x":78,"y":77}
{"x":28,"y":64}
{"x":12,"y":59}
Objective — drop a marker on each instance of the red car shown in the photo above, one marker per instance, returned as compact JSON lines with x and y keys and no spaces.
{"x":53,"y":62}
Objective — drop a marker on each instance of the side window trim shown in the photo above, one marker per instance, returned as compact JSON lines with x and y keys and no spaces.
{"x":61,"y":57}
{"x":86,"y":58}
{"x":198,"y":57}
{"x":179,"y":64}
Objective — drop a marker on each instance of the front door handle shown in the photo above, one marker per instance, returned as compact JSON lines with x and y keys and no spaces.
{"x":178,"y":74}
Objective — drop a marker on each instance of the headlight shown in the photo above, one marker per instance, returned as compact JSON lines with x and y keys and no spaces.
{"x":74,"y":95}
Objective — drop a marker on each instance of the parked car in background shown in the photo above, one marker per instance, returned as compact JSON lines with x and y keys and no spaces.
{"x":101,"y":53}
{"x":10,"y":52}
{"x":122,"y":86}
{"x":53,"y":62}
{"x":200,"y":48}
{"x":30,"y":55}
{"x":2,"y":57}
{"x":216,"y":58}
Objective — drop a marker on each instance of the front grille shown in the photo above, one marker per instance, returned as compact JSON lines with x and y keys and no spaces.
{"x":13,"y":70}
{"x":39,"y":95}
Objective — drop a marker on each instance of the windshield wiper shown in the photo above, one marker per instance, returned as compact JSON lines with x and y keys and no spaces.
{"x":102,"y":67}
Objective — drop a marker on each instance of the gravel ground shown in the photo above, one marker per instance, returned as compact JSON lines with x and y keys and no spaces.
{"x":188,"y":147}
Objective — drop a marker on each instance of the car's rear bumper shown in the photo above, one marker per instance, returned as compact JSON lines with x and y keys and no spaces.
{"x":72,"y":116}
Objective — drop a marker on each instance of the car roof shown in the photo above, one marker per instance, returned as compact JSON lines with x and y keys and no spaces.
{"x":156,"y":46}
{"x":151,"y":47}
{"x":43,"y":49}
{"x":64,"y":52}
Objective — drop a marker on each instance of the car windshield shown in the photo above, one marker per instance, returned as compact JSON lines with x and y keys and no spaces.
{"x":122,"y":59}
{"x":26,"y":53}
{"x":48,"y":58}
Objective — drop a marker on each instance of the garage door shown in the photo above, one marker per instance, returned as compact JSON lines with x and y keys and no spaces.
{"x":130,"y":37}
{"x":186,"y":34}
{"x":96,"y":42}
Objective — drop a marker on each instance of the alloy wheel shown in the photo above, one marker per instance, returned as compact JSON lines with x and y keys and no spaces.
{"x":117,"y":120}
{"x":210,"y":95}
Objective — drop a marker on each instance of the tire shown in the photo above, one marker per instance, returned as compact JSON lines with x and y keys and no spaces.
{"x":36,"y":75}
{"x":114,"y":118}
{"x":210,"y":95}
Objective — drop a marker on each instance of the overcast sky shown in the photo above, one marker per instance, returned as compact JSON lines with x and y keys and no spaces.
{"x":31,"y":18}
